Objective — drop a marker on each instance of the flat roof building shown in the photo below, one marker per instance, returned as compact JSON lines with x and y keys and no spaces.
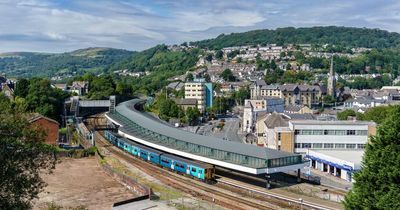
{"x":233,"y":155}
{"x":339,"y":163}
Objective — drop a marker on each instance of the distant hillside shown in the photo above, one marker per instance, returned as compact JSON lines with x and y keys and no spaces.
{"x":346,"y":36}
{"x":159,"y":58}
{"x":161,"y":63}
{"x":27,"y":64}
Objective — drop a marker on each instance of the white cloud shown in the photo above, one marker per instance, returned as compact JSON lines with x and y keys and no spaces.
{"x":67,"y":25}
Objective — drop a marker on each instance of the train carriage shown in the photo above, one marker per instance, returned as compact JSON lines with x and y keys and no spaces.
{"x":199,"y":170}
{"x":195,"y":169}
{"x":149,"y":154}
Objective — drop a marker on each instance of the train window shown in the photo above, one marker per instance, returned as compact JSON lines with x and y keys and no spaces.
{"x":151,"y":156}
{"x":193,"y":169}
{"x":179,"y":165}
{"x":165,"y":161}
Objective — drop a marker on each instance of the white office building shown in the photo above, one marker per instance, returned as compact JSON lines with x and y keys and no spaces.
{"x":330,"y":135}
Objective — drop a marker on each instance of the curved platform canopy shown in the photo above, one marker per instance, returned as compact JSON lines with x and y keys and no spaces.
{"x":138,"y":126}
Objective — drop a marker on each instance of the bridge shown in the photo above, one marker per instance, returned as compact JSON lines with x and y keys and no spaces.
{"x":136,"y":126}
{"x":81,"y":108}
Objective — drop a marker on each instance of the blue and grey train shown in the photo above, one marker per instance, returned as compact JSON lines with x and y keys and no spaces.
{"x":195,"y":169}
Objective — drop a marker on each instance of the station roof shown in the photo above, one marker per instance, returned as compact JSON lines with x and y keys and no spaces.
{"x":127,"y":109}
{"x":94,"y":103}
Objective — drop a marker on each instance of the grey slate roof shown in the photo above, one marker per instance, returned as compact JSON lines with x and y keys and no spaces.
{"x":126,"y":109}
{"x":276,"y":120}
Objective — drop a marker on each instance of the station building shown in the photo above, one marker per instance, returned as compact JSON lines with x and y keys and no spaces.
{"x":134,"y":125}
{"x":339,"y":163}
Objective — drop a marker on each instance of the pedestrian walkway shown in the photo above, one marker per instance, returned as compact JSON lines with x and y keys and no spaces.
{"x":332,"y":181}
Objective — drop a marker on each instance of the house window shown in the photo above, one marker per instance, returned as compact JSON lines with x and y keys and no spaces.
{"x":297,"y":145}
{"x":328,"y":146}
{"x":296,"y":132}
{"x":317,"y":145}
{"x":339,"y":146}
{"x":360,"y":146}
{"x":306,"y":145}
{"x":350,"y":146}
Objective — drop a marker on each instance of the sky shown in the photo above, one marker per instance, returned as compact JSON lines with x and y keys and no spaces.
{"x":66,"y":25}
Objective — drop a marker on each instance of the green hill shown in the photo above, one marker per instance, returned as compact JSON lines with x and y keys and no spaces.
{"x":345,"y":36}
{"x":28,"y":64}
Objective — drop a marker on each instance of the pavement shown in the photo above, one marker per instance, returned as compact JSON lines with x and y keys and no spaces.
{"x":332,"y":181}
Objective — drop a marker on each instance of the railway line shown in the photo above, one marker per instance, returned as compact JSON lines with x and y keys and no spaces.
{"x":227,"y":194}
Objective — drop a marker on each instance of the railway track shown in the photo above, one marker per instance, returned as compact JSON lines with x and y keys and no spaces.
{"x":190,"y":186}
{"x":223,"y":196}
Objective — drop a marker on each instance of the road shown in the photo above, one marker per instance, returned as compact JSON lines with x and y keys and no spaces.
{"x":229,"y":131}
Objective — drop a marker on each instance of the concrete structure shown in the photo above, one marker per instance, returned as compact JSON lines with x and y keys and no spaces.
{"x":201,"y":91}
{"x":339,"y":163}
{"x":332,"y":81}
{"x":315,"y":134}
{"x":253,"y":106}
{"x":49,"y":126}
{"x":282,"y":132}
{"x":136,"y":126}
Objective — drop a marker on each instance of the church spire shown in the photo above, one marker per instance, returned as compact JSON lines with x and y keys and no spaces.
{"x":332,"y":81}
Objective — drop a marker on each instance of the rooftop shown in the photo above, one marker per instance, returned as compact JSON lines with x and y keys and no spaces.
{"x":354,"y":156}
{"x":135,"y":122}
{"x":334,"y":122}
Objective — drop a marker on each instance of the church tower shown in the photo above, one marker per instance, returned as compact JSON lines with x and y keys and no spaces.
{"x":332,"y":81}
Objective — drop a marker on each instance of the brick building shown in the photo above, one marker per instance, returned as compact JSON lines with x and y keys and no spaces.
{"x":50,"y":127}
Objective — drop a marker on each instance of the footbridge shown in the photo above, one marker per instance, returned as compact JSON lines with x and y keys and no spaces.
{"x":82,"y":108}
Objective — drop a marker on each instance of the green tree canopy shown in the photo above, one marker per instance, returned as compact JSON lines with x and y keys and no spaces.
{"x":227,"y":75}
{"x":377,"y":185}
{"x":23,"y":157}
{"x":345,"y":114}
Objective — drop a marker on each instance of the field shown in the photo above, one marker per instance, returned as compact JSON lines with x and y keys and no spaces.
{"x":81,"y":183}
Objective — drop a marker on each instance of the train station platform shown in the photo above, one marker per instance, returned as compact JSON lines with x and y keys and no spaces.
{"x":135,"y":125}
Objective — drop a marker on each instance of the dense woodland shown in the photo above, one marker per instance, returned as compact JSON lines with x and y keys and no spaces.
{"x":344,"y":36}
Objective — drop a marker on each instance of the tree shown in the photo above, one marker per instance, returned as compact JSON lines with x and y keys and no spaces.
{"x":21,"y":88}
{"x":377,"y":114}
{"x":192,"y":115}
{"x":227,"y":75}
{"x":344,"y":115}
{"x":219,"y":54}
{"x":101,"y":88}
{"x":241,"y":95}
{"x":377,"y":184}
{"x":207,"y":77}
{"x":189,"y":77}
{"x":23,"y":157}
{"x":44,"y":99}
{"x":209,"y":57}
{"x":328,"y":100}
